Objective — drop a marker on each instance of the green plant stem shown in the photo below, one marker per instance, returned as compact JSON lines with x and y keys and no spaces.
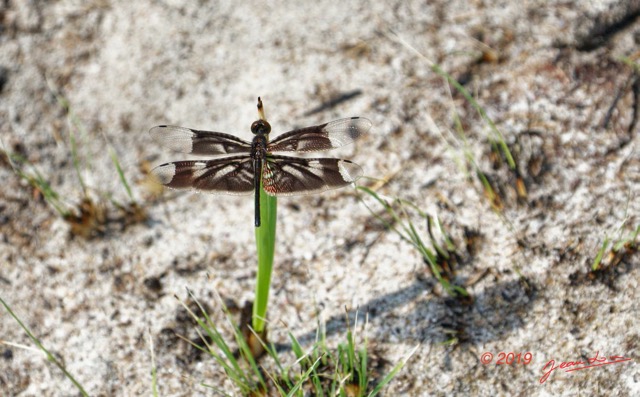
{"x":265,"y":245}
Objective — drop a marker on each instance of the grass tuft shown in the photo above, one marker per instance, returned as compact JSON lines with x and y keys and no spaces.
{"x":318,"y":370}
{"x":439,"y":258}
{"x":90,"y":217}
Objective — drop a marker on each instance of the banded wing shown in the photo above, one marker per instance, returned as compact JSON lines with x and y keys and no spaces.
{"x":286,"y":176}
{"x":228,"y":175}
{"x":187,"y":140}
{"x":321,"y":137}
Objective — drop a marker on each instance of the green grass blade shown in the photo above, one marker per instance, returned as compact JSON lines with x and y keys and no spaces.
{"x":410,"y":234}
{"x":596,"y":262}
{"x":295,"y":346}
{"x":304,"y":378}
{"x":502,"y":143}
{"x":216,"y":389}
{"x":73,"y":122}
{"x":387,"y":208}
{"x":76,"y":160}
{"x":351,"y":354}
{"x":631,"y":240}
{"x":284,"y":372}
{"x":447,"y":240}
{"x":460,"y":88}
{"x":123,"y":179}
{"x":362,"y":371}
{"x":154,"y":372}
{"x":393,"y":373}
{"x":227,"y":359}
{"x":50,"y":356}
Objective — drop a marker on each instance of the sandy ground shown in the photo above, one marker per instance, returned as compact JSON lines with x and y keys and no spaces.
{"x":549,"y":74}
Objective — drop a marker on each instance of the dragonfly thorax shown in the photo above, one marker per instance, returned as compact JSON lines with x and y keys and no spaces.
{"x":259,"y":146}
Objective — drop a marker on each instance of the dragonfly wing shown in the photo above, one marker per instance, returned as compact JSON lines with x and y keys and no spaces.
{"x":229,"y":175}
{"x":286,"y":176}
{"x":187,"y":140}
{"x":321,"y":137}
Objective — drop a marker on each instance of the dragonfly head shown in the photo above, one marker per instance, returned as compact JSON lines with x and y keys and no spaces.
{"x":260,"y":127}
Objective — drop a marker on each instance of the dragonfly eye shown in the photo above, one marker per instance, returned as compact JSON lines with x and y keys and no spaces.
{"x":260,"y":127}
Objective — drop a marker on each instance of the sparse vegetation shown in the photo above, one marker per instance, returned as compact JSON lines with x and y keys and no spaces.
{"x":612,"y":252}
{"x":440,"y":258}
{"x":318,"y":369}
{"x":91,"y":216}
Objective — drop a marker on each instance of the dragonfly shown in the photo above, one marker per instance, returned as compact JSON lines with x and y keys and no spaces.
{"x":243,"y":167}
